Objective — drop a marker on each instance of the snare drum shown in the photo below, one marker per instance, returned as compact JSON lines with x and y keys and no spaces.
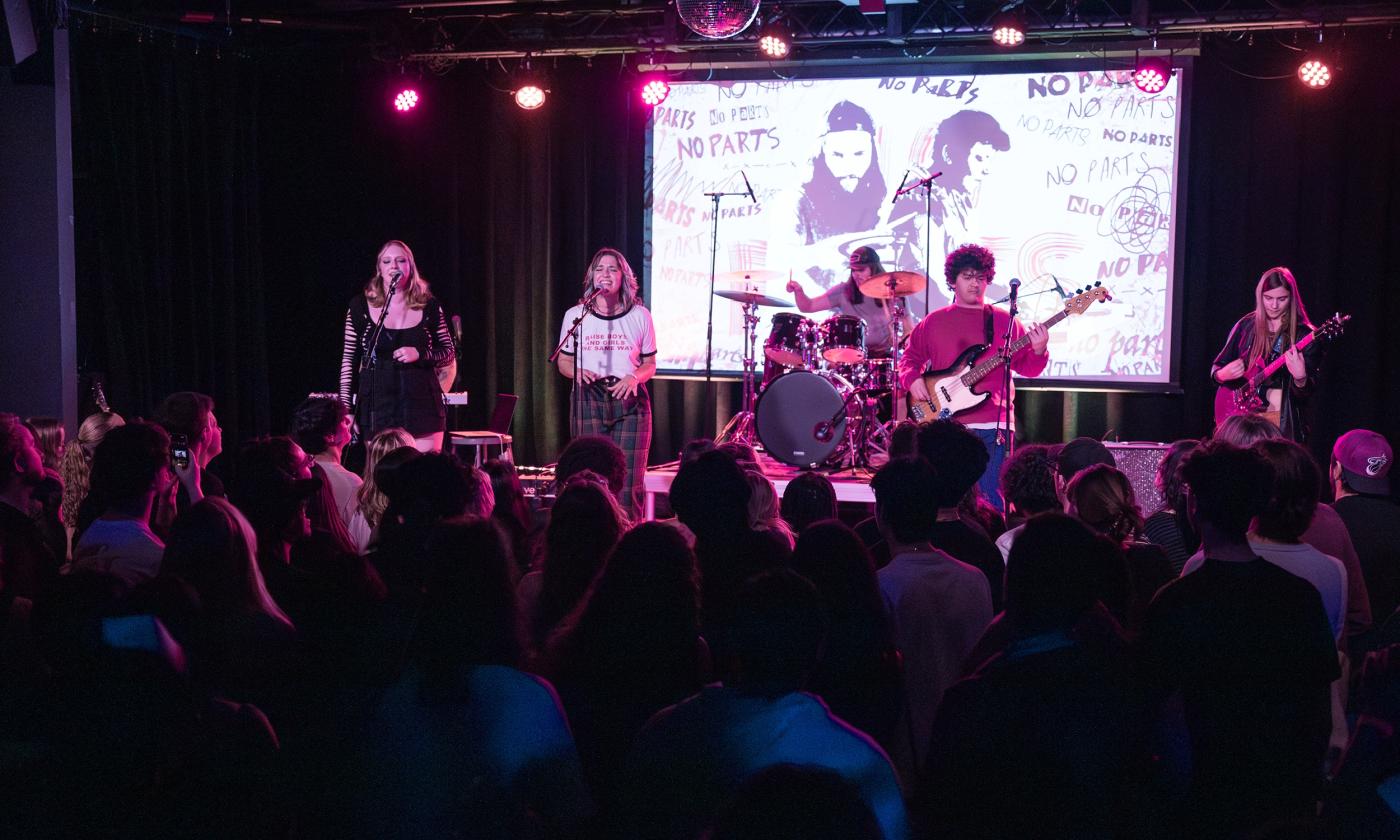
{"x":791,"y":338}
{"x":843,"y":339}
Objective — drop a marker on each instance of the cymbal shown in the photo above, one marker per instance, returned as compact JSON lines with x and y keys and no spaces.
{"x":894,"y":284}
{"x":752,"y":297}
{"x":757,"y":275}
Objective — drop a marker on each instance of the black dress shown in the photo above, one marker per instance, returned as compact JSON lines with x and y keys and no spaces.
{"x":391,"y":393}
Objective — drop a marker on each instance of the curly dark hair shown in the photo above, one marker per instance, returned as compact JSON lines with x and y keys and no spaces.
{"x":1169,"y":474}
{"x":969,"y":256}
{"x":1028,"y":480}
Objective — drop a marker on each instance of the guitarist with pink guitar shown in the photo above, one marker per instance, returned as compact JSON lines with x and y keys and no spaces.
{"x":1269,"y":363}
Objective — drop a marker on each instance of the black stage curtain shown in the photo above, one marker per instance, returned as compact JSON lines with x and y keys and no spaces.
{"x":228,"y":209}
{"x":168,"y":231}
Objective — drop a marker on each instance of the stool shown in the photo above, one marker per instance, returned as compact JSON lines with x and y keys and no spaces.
{"x":481,"y":443}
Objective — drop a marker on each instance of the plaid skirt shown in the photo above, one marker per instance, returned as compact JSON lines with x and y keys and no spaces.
{"x":627,"y":422}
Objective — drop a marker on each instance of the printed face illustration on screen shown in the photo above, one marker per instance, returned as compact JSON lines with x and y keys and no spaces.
{"x":848,"y":155}
{"x":847,"y":188}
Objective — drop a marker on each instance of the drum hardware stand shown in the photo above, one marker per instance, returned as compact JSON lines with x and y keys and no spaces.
{"x":897,"y":313}
{"x":740,"y":428}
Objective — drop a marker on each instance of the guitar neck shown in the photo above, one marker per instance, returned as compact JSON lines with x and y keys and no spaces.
{"x":1272,"y":367}
{"x":977,"y":374}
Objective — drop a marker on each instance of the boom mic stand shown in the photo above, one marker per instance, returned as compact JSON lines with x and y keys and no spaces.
{"x":575,"y":391}
{"x":710,"y":397}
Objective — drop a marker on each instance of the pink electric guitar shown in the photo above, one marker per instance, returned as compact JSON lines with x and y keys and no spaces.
{"x":1245,"y":398}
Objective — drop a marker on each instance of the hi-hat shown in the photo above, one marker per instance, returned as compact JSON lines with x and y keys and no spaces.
{"x":894,"y":284}
{"x":752,"y":298}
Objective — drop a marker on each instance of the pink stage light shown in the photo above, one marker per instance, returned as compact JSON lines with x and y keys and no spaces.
{"x":529,"y":97}
{"x":406,"y":100}
{"x":1151,"y":74}
{"x":655,"y":91}
{"x":1314,"y":73}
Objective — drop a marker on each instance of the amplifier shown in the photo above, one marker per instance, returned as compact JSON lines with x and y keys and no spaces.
{"x":1138,"y":460}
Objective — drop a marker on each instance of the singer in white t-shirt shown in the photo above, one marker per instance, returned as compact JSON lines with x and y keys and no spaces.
{"x":614,"y":354}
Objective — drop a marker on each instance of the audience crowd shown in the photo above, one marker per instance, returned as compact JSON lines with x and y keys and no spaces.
{"x":261,"y":643}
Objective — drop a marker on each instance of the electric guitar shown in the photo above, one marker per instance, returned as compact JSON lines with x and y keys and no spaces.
{"x":1245,"y":398}
{"x":950,"y":390}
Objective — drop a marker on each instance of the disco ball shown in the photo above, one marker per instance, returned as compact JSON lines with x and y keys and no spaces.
{"x":717,"y":18}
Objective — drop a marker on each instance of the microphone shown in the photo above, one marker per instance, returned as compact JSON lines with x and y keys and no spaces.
{"x":899,"y":190}
{"x":822,"y":432}
{"x":394,"y":278}
{"x":1015,"y":285}
{"x":748,"y":187}
{"x":587,"y":300}
{"x":1064,"y":295}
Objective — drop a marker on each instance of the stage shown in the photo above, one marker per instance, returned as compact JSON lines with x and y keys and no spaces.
{"x":851,"y":484}
{"x":1137,"y":459}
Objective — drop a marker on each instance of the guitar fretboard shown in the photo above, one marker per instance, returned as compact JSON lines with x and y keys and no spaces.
{"x":977,"y":374}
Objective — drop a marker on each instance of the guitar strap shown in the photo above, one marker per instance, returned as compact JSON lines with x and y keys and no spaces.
{"x":987,"y":324}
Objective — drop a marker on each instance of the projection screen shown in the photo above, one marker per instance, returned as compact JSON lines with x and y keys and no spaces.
{"x":1069,"y":177}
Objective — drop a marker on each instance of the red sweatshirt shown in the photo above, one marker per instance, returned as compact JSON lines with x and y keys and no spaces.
{"x":938,"y":339}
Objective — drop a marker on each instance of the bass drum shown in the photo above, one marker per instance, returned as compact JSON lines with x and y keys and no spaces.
{"x":801,"y":417}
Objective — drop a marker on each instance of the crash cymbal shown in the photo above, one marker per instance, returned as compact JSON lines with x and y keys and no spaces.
{"x":894,"y":284}
{"x":752,"y":297}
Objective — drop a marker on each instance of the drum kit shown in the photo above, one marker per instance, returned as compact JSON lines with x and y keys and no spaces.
{"x":823,"y":407}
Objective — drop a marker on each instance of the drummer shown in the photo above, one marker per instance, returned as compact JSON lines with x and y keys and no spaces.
{"x":848,"y":299}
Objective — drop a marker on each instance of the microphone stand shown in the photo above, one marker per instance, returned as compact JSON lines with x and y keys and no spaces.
{"x":575,"y":392}
{"x":710,"y":399}
{"x":927,"y":184}
{"x":1004,"y":432}
{"x":369,"y":359}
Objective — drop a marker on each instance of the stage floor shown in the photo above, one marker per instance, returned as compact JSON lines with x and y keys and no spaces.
{"x":852,"y":484}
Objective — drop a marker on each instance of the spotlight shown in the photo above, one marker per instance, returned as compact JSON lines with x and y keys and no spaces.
{"x":1315,"y":72}
{"x":775,"y":40}
{"x":655,"y":90}
{"x":1009,"y":28}
{"x":405,"y":100}
{"x":1151,"y":74}
{"x":529,"y":96}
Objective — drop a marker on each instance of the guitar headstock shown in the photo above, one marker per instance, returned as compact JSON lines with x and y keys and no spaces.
{"x":1332,"y":327}
{"x":1084,"y":298}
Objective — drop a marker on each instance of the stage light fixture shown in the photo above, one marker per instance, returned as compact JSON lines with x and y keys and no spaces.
{"x":1009,"y":28}
{"x":775,"y":40}
{"x":655,"y":90}
{"x":1314,"y":72}
{"x":406,"y":100}
{"x":529,"y":96}
{"x":1151,"y":74}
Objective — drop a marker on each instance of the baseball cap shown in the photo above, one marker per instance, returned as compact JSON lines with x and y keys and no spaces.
{"x":864,"y":255}
{"x":1365,"y":459}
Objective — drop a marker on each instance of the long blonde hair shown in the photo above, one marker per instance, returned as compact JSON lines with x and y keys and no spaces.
{"x":415,"y":294}
{"x":764,"y":508}
{"x":76,"y":465}
{"x":213,"y":547}
{"x":1278,"y":277}
{"x":631,"y":290}
{"x":369,"y":499}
